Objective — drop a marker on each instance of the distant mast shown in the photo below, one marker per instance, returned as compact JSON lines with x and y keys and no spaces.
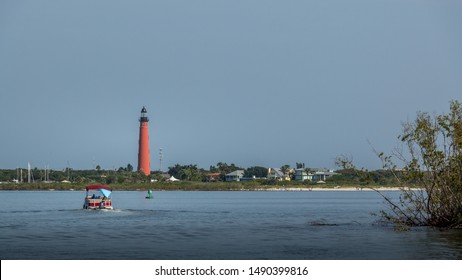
{"x":161,"y":156}
{"x":144,"y":164}
{"x":28,"y":172}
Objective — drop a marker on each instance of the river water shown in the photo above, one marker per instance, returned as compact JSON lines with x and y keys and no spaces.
{"x":287,"y":225}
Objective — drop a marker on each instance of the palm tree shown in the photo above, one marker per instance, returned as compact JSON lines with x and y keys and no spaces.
{"x":285,"y":170}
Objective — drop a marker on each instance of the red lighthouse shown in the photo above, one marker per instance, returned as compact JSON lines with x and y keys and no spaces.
{"x":144,"y":165}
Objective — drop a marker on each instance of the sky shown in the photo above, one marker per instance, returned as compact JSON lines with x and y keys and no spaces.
{"x":254,"y":82}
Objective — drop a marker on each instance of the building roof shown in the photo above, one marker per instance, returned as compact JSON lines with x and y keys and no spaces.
{"x":276,"y":172}
{"x":236,"y":173}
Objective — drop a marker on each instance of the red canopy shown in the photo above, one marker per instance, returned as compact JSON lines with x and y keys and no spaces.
{"x":96,"y":187}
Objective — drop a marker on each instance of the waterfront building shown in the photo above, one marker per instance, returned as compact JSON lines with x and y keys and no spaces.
{"x":301,"y":175}
{"x":277,"y":174}
{"x":234,"y":176}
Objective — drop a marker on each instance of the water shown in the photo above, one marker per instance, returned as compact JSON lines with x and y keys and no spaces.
{"x":212,"y":225}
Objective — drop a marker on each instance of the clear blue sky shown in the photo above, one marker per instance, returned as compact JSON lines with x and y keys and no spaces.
{"x":246,"y":82}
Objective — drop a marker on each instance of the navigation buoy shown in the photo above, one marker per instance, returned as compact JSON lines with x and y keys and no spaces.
{"x":149,"y":196}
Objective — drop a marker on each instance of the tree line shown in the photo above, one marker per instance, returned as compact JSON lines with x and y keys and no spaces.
{"x":188,"y":172}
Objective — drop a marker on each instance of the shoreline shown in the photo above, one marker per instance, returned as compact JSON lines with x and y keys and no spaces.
{"x":333,"y":189}
{"x":277,"y":189}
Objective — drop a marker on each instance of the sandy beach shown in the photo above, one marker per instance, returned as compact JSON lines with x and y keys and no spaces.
{"x":333,"y":189}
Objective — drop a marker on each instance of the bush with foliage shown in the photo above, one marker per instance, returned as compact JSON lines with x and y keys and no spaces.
{"x":432,"y":159}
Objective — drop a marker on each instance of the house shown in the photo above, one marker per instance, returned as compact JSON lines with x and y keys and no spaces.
{"x":322,"y":174}
{"x":277,"y":174}
{"x":314,"y":174}
{"x":234,"y":176}
{"x":213,"y":177}
{"x":301,"y":175}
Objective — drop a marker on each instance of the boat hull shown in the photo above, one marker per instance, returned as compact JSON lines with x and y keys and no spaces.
{"x":97,"y":203}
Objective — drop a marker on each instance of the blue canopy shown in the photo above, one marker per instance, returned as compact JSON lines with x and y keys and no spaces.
{"x":106,"y":193}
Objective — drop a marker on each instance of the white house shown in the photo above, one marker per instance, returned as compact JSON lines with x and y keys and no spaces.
{"x":277,"y":174}
{"x":322,"y":174}
{"x":315,"y":174}
{"x":302,"y":175}
{"x":234,"y":176}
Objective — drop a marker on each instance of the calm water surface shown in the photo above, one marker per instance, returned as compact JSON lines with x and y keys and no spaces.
{"x":212,"y":225}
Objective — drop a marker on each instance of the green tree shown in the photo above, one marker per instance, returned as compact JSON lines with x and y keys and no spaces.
{"x":129,"y":167}
{"x":225,"y":168}
{"x":175,"y":170}
{"x":257,"y":171}
{"x":285,"y":169}
{"x":187,"y":172}
{"x":432,"y":161}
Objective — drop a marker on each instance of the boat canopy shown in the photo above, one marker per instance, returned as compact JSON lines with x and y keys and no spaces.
{"x":98,"y":188}
{"x":105,"y":192}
